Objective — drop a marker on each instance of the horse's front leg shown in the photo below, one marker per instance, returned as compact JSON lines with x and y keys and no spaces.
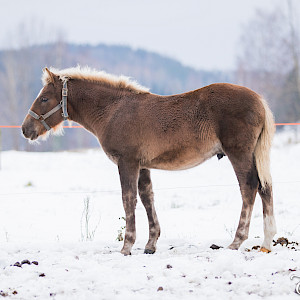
{"x":147,"y":197}
{"x":129,"y":171}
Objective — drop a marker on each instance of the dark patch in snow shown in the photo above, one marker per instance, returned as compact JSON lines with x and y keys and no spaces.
{"x":3,"y":294}
{"x":25,"y":261}
{"x":215,"y":247}
{"x":17,"y":264}
{"x":285,"y":242}
{"x":255,"y":247}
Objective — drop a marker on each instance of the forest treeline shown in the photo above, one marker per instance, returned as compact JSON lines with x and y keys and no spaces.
{"x":267,"y":61}
{"x":21,"y":70}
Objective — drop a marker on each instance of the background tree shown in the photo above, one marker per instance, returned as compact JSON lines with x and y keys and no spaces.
{"x":268,"y":59}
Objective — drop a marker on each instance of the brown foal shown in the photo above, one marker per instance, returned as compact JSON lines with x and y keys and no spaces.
{"x":140,"y":131}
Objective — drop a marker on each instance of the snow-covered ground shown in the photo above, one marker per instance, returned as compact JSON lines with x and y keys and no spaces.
{"x":42,"y":219}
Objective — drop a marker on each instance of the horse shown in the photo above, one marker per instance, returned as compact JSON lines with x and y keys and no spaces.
{"x":139,"y":131}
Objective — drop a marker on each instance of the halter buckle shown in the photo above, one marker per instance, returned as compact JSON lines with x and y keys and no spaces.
{"x":64,"y":92}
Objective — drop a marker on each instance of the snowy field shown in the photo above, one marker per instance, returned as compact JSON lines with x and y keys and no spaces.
{"x":42,"y":219}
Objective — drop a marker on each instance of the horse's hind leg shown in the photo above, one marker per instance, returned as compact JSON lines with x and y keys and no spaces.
{"x":247,"y":176}
{"x":269,"y":220}
{"x":146,"y":195}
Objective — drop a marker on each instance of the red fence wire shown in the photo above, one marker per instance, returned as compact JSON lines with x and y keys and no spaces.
{"x":19,"y":126}
{"x":283,"y":124}
{"x":78,"y":126}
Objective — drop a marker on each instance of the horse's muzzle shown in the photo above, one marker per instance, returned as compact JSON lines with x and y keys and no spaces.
{"x":29,"y":131}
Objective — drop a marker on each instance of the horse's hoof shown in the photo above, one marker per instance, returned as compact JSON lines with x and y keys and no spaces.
{"x":125,"y":253}
{"x":233,"y":247}
{"x":149,"y":251}
{"x":265,"y":250}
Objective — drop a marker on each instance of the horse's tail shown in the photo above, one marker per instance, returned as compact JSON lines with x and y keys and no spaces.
{"x":262,"y":148}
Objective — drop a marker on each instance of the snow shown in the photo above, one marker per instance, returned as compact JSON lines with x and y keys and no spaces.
{"x":41,"y":219}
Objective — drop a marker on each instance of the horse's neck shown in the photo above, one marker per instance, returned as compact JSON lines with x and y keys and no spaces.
{"x":89,"y":104}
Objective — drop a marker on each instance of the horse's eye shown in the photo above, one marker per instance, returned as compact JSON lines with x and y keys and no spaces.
{"x":44,"y":99}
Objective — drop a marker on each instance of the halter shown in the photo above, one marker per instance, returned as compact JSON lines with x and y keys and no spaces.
{"x":62,"y":105}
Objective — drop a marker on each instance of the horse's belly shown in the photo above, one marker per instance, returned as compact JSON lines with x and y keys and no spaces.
{"x":180,"y":164}
{"x":180,"y":159}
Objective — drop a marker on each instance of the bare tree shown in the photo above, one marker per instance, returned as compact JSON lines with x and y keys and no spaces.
{"x":18,"y":72}
{"x":294,"y":46}
{"x":9,"y":83}
{"x":268,"y":59}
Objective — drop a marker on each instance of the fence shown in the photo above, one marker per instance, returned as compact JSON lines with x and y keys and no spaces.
{"x":165,"y":188}
{"x":79,"y":126}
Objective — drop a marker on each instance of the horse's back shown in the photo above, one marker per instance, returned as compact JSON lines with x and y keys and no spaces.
{"x":208,"y":113}
{"x":181,"y":131}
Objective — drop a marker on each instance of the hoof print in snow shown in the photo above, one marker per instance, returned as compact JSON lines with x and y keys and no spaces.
{"x":160,"y":288}
{"x":35,"y":262}
{"x":149,"y":251}
{"x":25,"y":261}
{"x":17,"y":264}
{"x":215,"y":247}
{"x":42,"y":275}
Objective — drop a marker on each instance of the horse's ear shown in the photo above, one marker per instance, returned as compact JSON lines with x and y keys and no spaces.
{"x":51,"y":77}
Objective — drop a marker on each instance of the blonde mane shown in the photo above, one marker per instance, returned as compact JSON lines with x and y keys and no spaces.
{"x":93,"y":75}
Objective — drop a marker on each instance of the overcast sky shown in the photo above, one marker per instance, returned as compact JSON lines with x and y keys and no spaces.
{"x":201,"y":34}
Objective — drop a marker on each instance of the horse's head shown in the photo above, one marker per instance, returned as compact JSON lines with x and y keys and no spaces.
{"x":46,"y":110}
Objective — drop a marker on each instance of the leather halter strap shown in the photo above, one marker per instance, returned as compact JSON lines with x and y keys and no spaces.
{"x":62,"y":105}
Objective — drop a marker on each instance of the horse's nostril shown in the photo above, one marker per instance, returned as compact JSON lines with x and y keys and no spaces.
{"x":25,"y":131}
